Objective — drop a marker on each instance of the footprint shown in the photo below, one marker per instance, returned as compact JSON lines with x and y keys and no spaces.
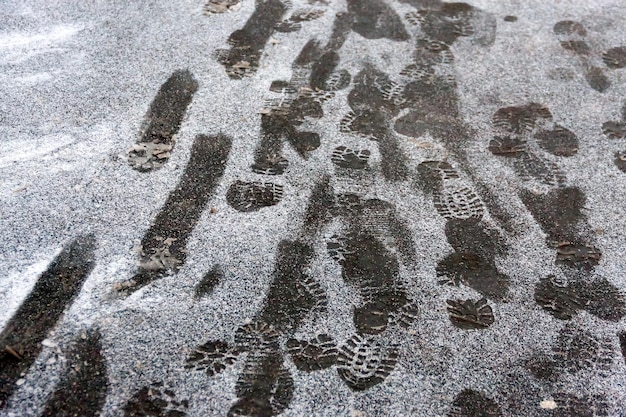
{"x":615,"y":58}
{"x":42,"y":309}
{"x":471,"y":403}
{"x":457,"y":201}
{"x":345,"y":157}
{"x":559,"y":213}
{"x":370,"y":117}
{"x":598,"y":297}
{"x":445,"y":24}
{"x":616,"y":130}
{"x":527,"y":129}
{"x":162,"y":122}
{"x":293,"y":294}
{"x":578,"y":350}
{"x":362,"y":364}
{"x":163,"y":245}
{"x":558,"y":141}
{"x":212,"y":357}
{"x":253,"y":196}
{"x":521,"y":119}
{"x":470,"y":314}
{"x":313,"y":355}
{"x":572,"y":35}
{"x":474,"y":271}
{"x":293,"y":23}
{"x":256,"y":336}
{"x":559,"y":299}
{"x":264,"y":388}
{"x":83,"y":389}
{"x":374,"y":19}
{"x":157,"y":401}
{"x":248,"y":43}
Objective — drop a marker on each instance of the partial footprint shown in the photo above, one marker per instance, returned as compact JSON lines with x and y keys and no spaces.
{"x":313,"y":355}
{"x":156,"y":401}
{"x":345,"y":157}
{"x":470,"y":314}
{"x":212,"y":357}
{"x":471,"y":403}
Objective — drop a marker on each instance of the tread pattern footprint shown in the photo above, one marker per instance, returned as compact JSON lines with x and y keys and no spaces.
{"x":212,"y":357}
{"x":345,"y":157}
{"x":313,"y":355}
{"x":470,"y":314}
{"x":253,"y":196}
{"x":362,"y":364}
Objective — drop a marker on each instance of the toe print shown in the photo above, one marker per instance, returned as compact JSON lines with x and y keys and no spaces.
{"x":212,"y":357}
{"x":469,"y":314}
{"x":221,"y":6}
{"x":456,"y":201}
{"x":313,"y":355}
{"x":474,"y":271}
{"x":253,"y":196}
{"x":362,"y":365}
{"x":558,"y":141}
{"x":520,"y":119}
{"x":256,"y":336}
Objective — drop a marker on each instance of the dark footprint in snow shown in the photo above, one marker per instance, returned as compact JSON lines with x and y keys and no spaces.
{"x":470,"y":403}
{"x":362,"y":364}
{"x":572,"y":36}
{"x":345,"y":157}
{"x":313,"y":355}
{"x":470,"y":314}
{"x":162,"y":122}
{"x":157,"y":401}
{"x":253,"y":196}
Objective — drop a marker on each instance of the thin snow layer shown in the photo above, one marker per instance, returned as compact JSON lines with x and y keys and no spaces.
{"x":77,"y":80}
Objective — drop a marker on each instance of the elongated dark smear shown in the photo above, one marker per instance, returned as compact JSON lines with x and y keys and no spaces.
{"x":53,"y":292}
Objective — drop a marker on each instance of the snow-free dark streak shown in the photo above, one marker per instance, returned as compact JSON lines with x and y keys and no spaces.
{"x":163,"y":246}
{"x":53,"y":292}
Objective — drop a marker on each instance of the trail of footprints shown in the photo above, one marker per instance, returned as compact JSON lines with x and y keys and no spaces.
{"x":374,"y":241}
